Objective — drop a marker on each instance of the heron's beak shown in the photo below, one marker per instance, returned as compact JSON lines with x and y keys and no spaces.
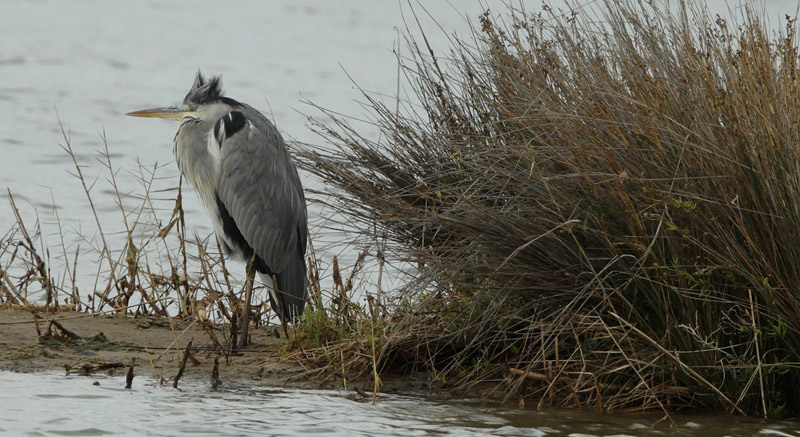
{"x":169,"y":113}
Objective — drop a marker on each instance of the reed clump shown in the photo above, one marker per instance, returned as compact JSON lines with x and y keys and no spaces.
{"x":605,"y":210}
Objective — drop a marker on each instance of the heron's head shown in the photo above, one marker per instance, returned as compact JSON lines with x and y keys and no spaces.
{"x":203,"y":99}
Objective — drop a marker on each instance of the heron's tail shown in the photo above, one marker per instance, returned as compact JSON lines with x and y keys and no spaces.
{"x":292,"y":286}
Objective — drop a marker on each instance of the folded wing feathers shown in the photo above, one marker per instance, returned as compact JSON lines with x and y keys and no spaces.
{"x":268,"y":212}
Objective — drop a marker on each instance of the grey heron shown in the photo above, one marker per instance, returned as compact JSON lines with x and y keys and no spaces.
{"x":238,"y":163}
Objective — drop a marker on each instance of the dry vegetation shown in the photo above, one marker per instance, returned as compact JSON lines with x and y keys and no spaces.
{"x":605,"y":213}
{"x":601,"y":214}
{"x":150,"y":267}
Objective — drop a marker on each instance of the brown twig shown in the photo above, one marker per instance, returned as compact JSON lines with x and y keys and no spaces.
{"x":129,"y":375}
{"x":181,"y":369}
{"x":215,"y":382}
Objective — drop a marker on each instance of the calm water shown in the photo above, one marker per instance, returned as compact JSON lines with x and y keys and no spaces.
{"x":88,"y":63}
{"x":50,"y":404}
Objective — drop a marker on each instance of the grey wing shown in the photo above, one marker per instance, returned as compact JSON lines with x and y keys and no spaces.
{"x":261,"y":189}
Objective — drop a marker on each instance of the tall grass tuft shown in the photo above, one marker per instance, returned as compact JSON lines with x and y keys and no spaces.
{"x":605,"y":209}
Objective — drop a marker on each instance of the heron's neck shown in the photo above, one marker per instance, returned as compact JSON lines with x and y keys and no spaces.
{"x":199,"y":166}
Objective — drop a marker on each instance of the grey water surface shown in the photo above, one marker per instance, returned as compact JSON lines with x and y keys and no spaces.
{"x":80,"y":66}
{"x":54,"y":404}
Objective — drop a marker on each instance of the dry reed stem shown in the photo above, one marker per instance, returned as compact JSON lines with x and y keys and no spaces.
{"x":685,"y":367}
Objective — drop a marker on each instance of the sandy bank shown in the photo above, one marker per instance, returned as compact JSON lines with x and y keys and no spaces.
{"x":157,"y":344}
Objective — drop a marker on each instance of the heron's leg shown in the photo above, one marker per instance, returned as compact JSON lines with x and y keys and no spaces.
{"x":251,"y":274}
{"x":281,"y":310}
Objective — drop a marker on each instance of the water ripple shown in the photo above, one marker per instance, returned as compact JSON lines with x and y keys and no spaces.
{"x":75,"y":406}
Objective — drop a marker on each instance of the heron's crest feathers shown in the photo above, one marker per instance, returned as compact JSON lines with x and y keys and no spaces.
{"x":204,"y":91}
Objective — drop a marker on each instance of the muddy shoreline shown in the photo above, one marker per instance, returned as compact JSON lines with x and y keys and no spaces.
{"x":157,"y":344}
